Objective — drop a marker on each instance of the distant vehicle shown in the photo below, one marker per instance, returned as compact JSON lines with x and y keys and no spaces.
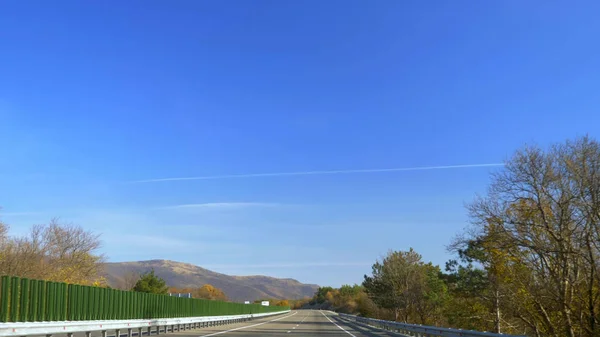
{"x":246,"y":302}
{"x":186,"y":295}
{"x":265,"y":303}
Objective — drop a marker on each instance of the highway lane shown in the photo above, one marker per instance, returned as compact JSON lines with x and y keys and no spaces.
{"x":302,"y":323}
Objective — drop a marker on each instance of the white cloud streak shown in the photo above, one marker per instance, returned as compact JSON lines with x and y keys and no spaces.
{"x":307,"y":173}
{"x":221,"y":205}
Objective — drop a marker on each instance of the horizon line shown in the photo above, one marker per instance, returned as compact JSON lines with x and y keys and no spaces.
{"x":305,"y":173}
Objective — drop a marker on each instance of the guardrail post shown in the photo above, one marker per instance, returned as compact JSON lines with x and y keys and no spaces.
{"x":118,"y":333}
{"x":149,"y":331}
{"x":139,"y":332}
{"x":87,"y":334}
{"x":104,"y":333}
{"x":129,"y":333}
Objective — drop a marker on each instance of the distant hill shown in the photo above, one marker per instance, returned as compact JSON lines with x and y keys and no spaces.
{"x":182,"y":275}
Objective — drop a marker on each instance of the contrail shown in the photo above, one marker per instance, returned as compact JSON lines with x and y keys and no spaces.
{"x":307,"y":173}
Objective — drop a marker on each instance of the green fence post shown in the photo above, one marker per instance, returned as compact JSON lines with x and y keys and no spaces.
{"x":51,"y":301}
{"x":59,"y":302}
{"x":35,"y":297}
{"x":93,"y":303}
{"x":25,"y":299}
{"x":107,"y":303}
{"x":85,"y":304}
{"x":14,"y":299}
{"x":115,"y":304}
{"x":144,"y":304}
{"x":101,"y":304}
{"x":77,"y":303}
{"x":132,"y":304}
{"x":161,"y":306}
{"x":96,"y":303}
{"x":126,"y":303}
{"x":42,"y":301}
{"x":71,"y":302}
{"x":56,"y":301}
{"x":119,"y":304}
{"x":136,"y":305}
{"x":65,"y":299}
{"x":60,"y":299}
{"x":5,"y":300}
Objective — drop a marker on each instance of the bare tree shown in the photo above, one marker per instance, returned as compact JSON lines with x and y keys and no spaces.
{"x":129,"y":280}
{"x":56,"y":252}
{"x":544,"y":210}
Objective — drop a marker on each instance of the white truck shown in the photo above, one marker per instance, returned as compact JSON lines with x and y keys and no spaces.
{"x":265,"y":303}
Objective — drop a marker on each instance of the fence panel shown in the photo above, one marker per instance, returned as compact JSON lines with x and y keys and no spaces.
{"x":25,"y":300}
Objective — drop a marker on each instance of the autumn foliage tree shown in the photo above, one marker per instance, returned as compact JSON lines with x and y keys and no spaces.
{"x":55,"y":252}
{"x":538,"y":230}
{"x":206,"y":291}
{"x":210,"y":292}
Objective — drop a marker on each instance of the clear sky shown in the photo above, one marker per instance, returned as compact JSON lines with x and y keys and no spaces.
{"x":96,"y":96}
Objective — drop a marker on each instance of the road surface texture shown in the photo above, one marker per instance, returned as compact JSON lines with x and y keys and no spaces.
{"x":302,"y":323}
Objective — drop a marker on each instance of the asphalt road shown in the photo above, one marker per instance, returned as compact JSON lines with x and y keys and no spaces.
{"x":302,"y":323}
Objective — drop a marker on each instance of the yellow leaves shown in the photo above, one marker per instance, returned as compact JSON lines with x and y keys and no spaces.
{"x":281,"y":303}
{"x":329,"y":296}
{"x":100,"y":282}
{"x":207,"y":291}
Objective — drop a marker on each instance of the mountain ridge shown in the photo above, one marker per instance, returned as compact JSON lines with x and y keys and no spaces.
{"x":184,"y":275}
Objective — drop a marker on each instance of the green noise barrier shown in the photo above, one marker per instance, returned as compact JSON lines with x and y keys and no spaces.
{"x":26,"y":300}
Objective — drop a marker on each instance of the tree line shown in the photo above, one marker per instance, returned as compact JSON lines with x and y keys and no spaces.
{"x":527,"y":264}
{"x":63,"y":252}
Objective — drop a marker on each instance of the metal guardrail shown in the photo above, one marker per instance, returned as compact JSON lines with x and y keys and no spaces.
{"x":420,"y":330}
{"x":143,"y":326}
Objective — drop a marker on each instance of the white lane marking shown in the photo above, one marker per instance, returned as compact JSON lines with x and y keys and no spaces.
{"x":249,"y":326}
{"x":344,"y":330}
{"x":305,"y":316}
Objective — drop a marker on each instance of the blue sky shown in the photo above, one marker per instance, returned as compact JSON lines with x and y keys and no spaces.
{"x":97,"y":96}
